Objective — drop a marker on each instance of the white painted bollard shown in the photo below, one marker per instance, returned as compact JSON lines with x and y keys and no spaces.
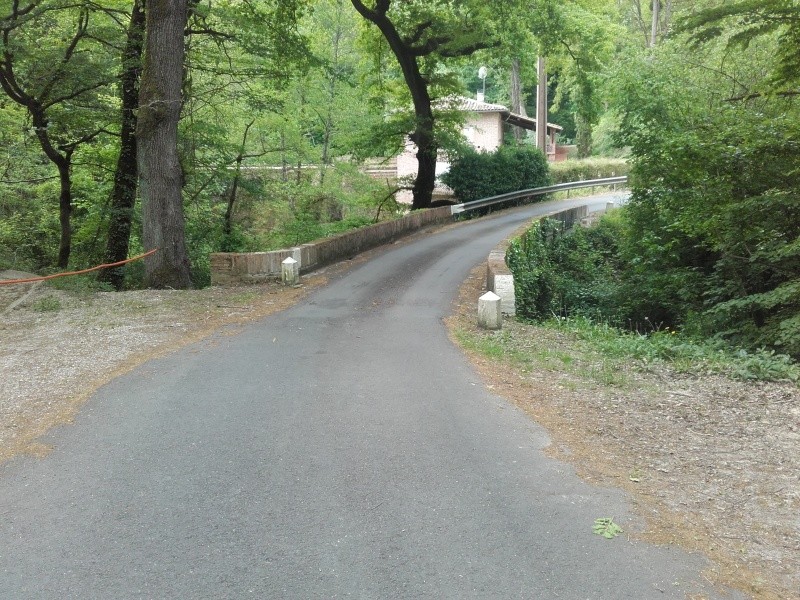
{"x":290,"y":271}
{"x":490,"y":315}
{"x":609,"y":205}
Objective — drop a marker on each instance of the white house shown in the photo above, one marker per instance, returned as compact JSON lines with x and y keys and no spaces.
{"x":483,"y":129}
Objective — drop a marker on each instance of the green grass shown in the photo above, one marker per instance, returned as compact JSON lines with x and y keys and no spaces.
{"x":47,"y":304}
{"x":606,"y":355}
{"x":681,"y":353}
{"x":80,"y":285}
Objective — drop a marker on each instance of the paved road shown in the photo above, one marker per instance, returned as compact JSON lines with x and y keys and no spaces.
{"x":341,"y":449}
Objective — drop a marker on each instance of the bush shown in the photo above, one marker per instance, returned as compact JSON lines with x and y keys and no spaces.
{"x":530,"y":260}
{"x":573,"y":273}
{"x":588,"y":168}
{"x":511,"y":168}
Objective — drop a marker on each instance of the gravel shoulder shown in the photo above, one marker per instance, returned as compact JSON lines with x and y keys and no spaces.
{"x":712,"y":464}
{"x":56,"y":347}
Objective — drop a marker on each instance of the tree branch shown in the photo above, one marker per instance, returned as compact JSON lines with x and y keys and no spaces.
{"x":754,"y":95}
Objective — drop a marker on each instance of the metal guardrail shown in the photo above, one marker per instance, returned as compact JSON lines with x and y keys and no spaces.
{"x":521,"y":195}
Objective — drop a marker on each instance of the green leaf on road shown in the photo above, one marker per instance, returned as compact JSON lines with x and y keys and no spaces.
{"x":607,"y":528}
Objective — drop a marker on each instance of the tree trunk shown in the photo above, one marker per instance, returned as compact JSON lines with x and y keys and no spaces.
{"x":427,"y":149}
{"x":654,"y":24}
{"x":227,"y":224}
{"x":123,"y":196}
{"x":333,"y":77}
{"x":65,"y":212}
{"x":160,"y":177}
{"x":427,"y":152}
{"x":63,"y":163}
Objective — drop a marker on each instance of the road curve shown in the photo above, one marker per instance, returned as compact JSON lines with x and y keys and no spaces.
{"x":343,"y":448}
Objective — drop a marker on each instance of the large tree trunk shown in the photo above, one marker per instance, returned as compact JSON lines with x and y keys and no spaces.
{"x":123,"y":196}
{"x":422,"y":136}
{"x":160,"y":176}
{"x":427,"y":151}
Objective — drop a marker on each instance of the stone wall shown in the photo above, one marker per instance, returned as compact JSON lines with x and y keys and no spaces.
{"x":230,"y":268}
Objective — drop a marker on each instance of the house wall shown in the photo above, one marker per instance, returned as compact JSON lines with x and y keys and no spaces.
{"x":484,"y":131}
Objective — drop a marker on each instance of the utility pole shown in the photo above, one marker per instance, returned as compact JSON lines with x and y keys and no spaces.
{"x":541,"y":106}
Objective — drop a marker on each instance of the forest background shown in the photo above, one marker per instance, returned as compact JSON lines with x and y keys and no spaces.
{"x":282,"y":103}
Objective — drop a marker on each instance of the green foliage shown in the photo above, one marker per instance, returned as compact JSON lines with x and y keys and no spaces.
{"x":476,"y":175}
{"x":47,"y":304}
{"x":607,"y":528}
{"x":684,"y":353}
{"x":588,"y":168}
{"x":558,"y":273}
{"x":741,"y":22}
{"x":529,"y":258}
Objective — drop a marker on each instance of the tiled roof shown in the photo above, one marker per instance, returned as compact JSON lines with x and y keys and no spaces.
{"x":472,"y":105}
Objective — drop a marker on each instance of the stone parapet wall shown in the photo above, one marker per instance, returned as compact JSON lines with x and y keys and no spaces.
{"x":231,"y":268}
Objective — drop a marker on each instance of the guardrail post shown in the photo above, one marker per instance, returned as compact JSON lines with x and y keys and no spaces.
{"x":290,"y":271}
{"x":489,"y":314}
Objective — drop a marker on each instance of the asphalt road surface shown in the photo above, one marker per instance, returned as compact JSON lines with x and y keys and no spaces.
{"x":343,"y":448}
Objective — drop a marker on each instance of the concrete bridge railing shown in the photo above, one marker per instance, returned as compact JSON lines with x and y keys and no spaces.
{"x":230,"y":268}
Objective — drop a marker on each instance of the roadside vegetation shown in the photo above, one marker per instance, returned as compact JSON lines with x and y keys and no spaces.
{"x":291,"y":113}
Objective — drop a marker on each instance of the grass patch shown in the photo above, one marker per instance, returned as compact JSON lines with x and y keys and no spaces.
{"x":605,"y":355}
{"x":532,"y":348}
{"x":47,"y":304}
{"x":79,"y":285}
{"x":681,"y":353}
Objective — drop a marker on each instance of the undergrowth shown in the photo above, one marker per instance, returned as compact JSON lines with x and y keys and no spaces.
{"x":604,"y":354}
{"x":681,"y":353}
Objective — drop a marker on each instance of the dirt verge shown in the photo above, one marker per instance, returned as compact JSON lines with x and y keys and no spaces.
{"x":712,"y":464}
{"x":56,"y":348}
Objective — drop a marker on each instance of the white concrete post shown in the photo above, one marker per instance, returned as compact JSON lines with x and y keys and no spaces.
{"x":489,"y":313}
{"x":609,"y":205}
{"x":290,"y":271}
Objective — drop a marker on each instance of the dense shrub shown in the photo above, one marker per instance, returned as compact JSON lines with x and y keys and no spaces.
{"x":567,"y":273}
{"x":588,"y":168}
{"x":530,"y":259}
{"x":477,"y":175}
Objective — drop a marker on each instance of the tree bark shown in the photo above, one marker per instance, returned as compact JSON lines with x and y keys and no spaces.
{"x":123,"y":195}
{"x":654,"y":23}
{"x":160,"y":176}
{"x":422,"y":136}
{"x":63,"y":162}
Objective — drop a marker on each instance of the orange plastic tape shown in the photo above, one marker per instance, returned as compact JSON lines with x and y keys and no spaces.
{"x":97,"y":268}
